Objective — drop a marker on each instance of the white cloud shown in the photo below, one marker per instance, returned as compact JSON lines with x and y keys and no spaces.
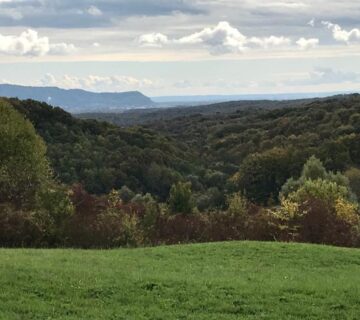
{"x":311,"y":23}
{"x":48,"y":80}
{"x":153,"y":40}
{"x":271,"y":41}
{"x":329,"y":75}
{"x":98,"y":83}
{"x":287,"y":5}
{"x":28,"y":43}
{"x":305,"y":44}
{"x":341,"y":34}
{"x":221,"y":39}
{"x":61,"y":49}
{"x":321,"y":75}
{"x":94,"y":11}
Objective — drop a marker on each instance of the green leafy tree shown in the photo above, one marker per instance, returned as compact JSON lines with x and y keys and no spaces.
{"x":261,"y":175}
{"x":318,"y":207}
{"x":180,"y":199}
{"x":353,"y":174}
{"x":237,"y":205}
{"x":314,"y":170}
{"x":325,"y":190}
{"x":126,"y":194}
{"x":24,"y":170}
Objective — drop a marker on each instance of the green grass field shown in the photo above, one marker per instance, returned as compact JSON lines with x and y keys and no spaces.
{"x":239,"y":280}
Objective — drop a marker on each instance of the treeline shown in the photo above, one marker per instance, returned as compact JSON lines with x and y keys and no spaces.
{"x":289,"y":174}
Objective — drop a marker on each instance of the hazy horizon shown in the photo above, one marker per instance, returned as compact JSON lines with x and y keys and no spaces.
{"x":206,"y":97}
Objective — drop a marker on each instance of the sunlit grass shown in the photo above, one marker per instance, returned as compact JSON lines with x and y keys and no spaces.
{"x":238,"y":280}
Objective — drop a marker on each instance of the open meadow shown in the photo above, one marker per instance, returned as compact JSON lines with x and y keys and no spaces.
{"x":234,"y":280}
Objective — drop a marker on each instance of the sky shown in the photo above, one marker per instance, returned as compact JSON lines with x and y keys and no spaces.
{"x":182,"y":47}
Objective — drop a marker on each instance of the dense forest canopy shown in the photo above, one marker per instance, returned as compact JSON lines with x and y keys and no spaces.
{"x":261,"y":146}
{"x":103,"y":156}
{"x":288,"y":173}
{"x":143,"y":116}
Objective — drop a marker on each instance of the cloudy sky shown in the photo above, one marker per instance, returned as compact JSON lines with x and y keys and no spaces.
{"x":182,"y":47}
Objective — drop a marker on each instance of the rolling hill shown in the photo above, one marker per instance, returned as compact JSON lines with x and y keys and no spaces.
{"x":79,"y":101}
{"x":228,"y":137}
{"x":239,"y":280}
{"x":103,"y":156}
{"x":152,"y":115}
{"x":205,"y":144}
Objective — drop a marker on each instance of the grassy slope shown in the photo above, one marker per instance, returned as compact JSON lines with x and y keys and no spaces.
{"x":212,"y":281}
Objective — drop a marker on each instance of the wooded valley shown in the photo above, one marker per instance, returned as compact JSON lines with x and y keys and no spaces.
{"x":260,"y":170}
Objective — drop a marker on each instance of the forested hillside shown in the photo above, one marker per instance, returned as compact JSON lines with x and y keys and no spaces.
{"x":269,"y":146}
{"x":223,"y":144}
{"x":261,"y":173}
{"x":143,"y":116}
{"x":102,"y":156}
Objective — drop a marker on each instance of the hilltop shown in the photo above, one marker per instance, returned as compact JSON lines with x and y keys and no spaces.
{"x":78,"y":101}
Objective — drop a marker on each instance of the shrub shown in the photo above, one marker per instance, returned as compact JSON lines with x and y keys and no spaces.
{"x":181,"y":228}
{"x":54,"y":210}
{"x":152,"y":213}
{"x":104,"y":222}
{"x":19,"y":228}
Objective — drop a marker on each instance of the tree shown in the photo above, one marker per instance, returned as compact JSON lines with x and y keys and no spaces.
{"x":318,"y":207}
{"x":180,"y":199}
{"x":261,"y":175}
{"x":24,"y":170}
{"x":126,"y":194}
{"x":34,"y":208}
{"x":314,"y":171}
{"x":237,"y":205}
{"x":159,"y":179}
{"x":353,"y":174}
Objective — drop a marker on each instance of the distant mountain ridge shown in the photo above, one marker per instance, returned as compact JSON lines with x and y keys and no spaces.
{"x":196,"y":100}
{"x":77,"y":100}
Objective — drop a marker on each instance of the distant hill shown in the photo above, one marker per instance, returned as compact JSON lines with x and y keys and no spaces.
{"x":79,"y":101}
{"x":210,"y":99}
{"x":152,"y":115}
